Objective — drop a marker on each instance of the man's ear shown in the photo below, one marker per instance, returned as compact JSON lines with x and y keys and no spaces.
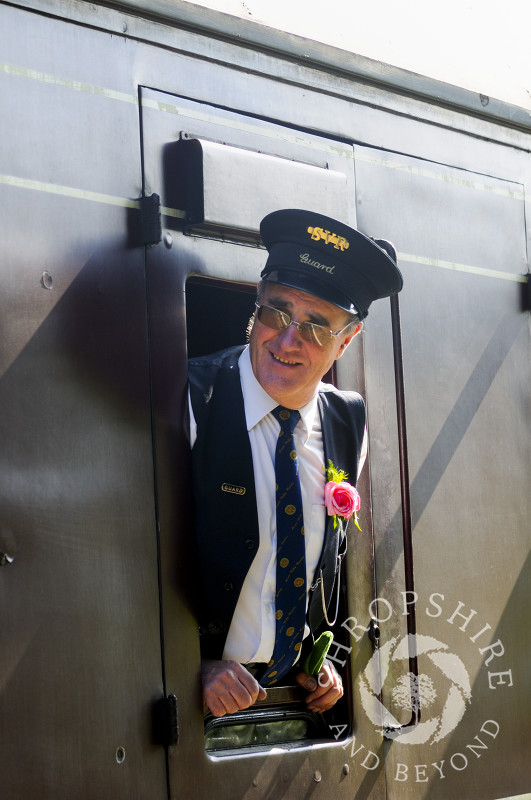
{"x":348,"y":339}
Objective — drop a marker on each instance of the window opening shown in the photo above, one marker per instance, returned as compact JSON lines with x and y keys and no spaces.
{"x":217,"y":315}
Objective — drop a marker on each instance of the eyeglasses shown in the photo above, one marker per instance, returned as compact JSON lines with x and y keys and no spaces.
{"x":309,"y":331}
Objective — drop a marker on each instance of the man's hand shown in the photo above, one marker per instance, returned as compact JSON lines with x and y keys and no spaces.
{"x":324,"y":691}
{"x":228,"y":687}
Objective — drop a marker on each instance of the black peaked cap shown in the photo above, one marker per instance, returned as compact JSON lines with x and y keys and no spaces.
{"x":326,"y":258}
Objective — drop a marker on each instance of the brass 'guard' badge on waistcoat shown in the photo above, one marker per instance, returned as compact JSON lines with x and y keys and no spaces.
{"x":232,"y":488}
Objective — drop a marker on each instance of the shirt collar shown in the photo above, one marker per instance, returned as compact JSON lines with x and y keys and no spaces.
{"x":258,"y":403}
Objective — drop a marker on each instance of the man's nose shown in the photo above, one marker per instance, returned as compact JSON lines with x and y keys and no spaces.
{"x":290,"y":336}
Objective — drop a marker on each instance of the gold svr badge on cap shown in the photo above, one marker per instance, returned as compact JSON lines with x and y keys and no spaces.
{"x":339,"y":242}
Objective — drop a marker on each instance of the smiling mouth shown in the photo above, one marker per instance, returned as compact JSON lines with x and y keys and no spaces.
{"x":285,"y":361}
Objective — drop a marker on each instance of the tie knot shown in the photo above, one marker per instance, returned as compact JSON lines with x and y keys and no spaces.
{"x":287,"y":417}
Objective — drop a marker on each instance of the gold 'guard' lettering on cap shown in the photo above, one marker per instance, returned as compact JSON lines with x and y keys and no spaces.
{"x":230,"y":487}
{"x":339,"y":242}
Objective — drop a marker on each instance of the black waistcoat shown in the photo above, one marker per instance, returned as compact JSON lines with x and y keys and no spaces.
{"x":225,"y":499}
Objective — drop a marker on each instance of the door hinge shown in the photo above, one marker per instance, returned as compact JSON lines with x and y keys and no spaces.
{"x":166,"y":721}
{"x":374,"y":633}
{"x":150,"y":219}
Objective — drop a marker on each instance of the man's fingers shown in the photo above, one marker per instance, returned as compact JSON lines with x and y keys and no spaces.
{"x":219,"y":706}
{"x":307,"y":682}
{"x":327,"y":688}
{"x":228,"y":687}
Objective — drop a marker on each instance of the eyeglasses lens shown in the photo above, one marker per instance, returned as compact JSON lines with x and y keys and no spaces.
{"x":279,"y":321}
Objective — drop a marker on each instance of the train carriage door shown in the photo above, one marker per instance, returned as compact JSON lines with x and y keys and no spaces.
{"x":217,"y":173}
{"x":80,"y":661}
{"x":461,"y":242}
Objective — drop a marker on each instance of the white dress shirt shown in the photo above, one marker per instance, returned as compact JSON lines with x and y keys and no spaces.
{"x":251,"y":635}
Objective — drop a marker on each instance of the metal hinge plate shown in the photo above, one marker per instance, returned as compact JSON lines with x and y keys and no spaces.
{"x":150,"y":219}
{"x":166,"y":721}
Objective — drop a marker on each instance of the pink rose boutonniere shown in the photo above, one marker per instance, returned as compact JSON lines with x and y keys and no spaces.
{"x":341,"y":498}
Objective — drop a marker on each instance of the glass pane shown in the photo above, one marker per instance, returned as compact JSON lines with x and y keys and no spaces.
{"x":223,"y":737}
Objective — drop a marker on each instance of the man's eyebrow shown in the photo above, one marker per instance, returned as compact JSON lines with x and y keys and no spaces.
{"x":279,"y":302}
{"x":317,"y":319}
{"x":286,"y":305}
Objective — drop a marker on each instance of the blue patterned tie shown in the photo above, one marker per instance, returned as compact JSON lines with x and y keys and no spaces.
{"x":290,"y":598}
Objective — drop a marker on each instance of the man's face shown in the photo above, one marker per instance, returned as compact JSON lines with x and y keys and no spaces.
{"x":288,"y":368}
